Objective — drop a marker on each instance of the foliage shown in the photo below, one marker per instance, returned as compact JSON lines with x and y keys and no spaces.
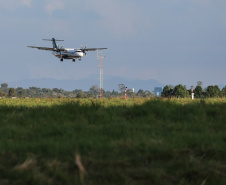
{"x":198,"y":92}
{"x":4,"y":88}
{"x":114,"y":93}
{"x":180,"y":91}
{"x":167,"y":91}
{"x":81,"y":95}
{"x":121,"y":88}
{"x":112,"y":141}
{"x":2,"y":94}
{"x":213,"y":91}
{"x":20,"y":92}
{"x":145,"y":94}
{"x":223,"y":91}
{"x":199,"y":83}
{"x":95,"y":90}
{"x":4,"y":85}
{"x":140,"y":93}
{"x":12,"y":92}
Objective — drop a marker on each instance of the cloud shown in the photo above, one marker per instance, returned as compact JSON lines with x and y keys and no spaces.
{"x":53,"y":5}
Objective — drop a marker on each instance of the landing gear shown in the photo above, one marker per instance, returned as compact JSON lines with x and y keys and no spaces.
{"x":73,"y":60}
{"x":79,"y":59}
{"x":61,"y":59}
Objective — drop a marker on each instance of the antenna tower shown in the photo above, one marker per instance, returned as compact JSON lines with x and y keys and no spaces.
{"x":100,"y":56}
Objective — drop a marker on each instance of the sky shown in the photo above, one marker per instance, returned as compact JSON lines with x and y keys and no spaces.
{"x":171,"y":41}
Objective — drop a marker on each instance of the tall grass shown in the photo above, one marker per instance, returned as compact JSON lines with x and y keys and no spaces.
{"x":133,"y":141}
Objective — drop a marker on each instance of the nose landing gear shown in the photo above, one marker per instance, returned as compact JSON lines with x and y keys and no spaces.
{"x":61,"y":59}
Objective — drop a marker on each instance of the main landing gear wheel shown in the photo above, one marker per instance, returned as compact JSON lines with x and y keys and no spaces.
{"x":80,"y":59}
{"x":73,"y":60}
{"x":61,"y":59}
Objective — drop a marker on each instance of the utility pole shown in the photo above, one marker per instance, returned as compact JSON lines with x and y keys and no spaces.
{"x":100,"y":56}
{"x":192,"y":93}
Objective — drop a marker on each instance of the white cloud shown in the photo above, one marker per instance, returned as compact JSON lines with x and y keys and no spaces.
{"x":53,"y":5}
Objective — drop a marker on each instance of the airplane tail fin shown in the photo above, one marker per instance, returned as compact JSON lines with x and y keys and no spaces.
{"x":55,"y":46}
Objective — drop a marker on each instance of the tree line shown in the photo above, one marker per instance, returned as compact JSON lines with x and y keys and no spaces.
{"x":180,"y":91}
{"x":94,"y":92}
{"x":169,"y":91}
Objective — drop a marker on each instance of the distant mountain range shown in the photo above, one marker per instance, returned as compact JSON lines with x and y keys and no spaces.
{"x":110,"y":83}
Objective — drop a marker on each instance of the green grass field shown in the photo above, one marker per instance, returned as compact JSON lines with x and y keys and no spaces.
{"x":112,"y":142}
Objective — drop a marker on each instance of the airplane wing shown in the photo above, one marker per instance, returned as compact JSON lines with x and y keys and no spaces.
{"x":48,"y":49}
{"x":92,"y":49}
{"x":42,"y":48}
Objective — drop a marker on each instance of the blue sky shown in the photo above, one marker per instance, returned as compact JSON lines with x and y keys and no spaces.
{"x":172,"y":41}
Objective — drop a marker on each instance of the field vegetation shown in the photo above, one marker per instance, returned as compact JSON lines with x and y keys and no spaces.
{"x":55,"y":141}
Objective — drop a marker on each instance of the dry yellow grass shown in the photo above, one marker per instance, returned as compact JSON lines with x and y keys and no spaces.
{"x":81,"y":168}
{"x":27,"y":164}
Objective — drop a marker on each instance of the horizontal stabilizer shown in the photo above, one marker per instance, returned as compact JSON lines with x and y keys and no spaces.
{"x":51,"y":40}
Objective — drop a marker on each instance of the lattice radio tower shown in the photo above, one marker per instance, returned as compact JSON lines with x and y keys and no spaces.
{"x":100,"y":56}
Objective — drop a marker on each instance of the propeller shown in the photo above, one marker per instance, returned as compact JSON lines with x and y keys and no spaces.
{"x":60,"y":51}
{"x":83,"y":49}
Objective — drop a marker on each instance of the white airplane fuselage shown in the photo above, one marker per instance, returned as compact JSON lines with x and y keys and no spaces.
{"x":68,"y":54}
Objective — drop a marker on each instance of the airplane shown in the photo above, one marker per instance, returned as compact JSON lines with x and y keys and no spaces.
{"x":66,"y":53}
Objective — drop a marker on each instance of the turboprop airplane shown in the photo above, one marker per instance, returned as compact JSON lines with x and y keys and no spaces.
{"x":66,"y":53}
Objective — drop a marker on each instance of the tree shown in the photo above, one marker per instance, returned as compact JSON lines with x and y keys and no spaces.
{"x":114,"y":93}
{"x":4,"y":85}
{"x":56,"y":90}
{"x":81,"y":95}
{"x":140,"y":93}
{"x":180,"y":91}
{"x":90,"y":95}
{"x":20,"y":92}
{"x":217,"y":91}
{"x":147,"y":94}
{"x":121,"y":88}
{"x":2,"y":94}
{"x":94,"y":89}
{"x":198,"y":92}
{"x":212,"y":91}
{"x":46,"y":90}
{"x":223,"y":91}
{"x":199,"y":83}
{"x":34,"y":92}
{"x":76,"y":91}
{"x":130,"y":93}
{"x":4,"y":88}
{"x":107,"y":94}
{"x":12,"y":92}
{"x":167,"y":91}
{"x":209,"y":91}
